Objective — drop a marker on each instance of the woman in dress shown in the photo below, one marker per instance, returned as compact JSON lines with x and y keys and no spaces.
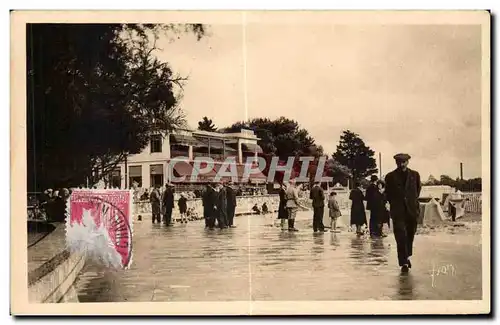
{"x":183,"y":208}
{"x":282,"y":215}
{"x":358,"y":214}
{"x":379,"y":210}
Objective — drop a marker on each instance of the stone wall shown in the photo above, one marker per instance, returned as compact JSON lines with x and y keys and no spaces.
{"x":52,"y":270}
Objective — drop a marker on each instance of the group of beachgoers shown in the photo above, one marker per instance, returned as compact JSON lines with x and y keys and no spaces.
{"x":219,"y":205}
{"x":394,"y":198}
{"x":376,"y":204}
{"x":164,"y":203}
{"x":289,"y":205}
{"x":49,"y":205}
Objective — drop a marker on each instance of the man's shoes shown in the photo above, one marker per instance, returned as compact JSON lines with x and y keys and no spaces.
{"x":293,"y":229}
{"x":409,"y":264}
{"x":405,"y":268}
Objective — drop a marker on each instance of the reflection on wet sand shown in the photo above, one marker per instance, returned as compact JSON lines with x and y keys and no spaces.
{"x":405,"y":287}
{"x":356,"y":251}
{"x":318,"y":245}
{"x":334,"y":240}
{"x":378,"y":252}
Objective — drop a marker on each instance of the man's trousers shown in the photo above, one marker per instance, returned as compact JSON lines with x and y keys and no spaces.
{"x":405,"y":227}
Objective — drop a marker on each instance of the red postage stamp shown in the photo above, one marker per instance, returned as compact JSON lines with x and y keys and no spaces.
{"x":100,"y":225}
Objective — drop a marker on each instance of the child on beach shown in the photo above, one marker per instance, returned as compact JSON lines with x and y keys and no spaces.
{"x":183,"y":208}
{"x":334,"y":211}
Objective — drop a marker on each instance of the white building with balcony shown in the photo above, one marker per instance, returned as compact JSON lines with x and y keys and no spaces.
{"x":151,"y":167}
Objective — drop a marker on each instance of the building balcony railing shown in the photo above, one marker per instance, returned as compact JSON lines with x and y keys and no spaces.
{"x":214,"y":156}
{"x":178,"y":153}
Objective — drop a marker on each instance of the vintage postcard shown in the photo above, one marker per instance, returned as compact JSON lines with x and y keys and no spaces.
{"x":250,"y":162}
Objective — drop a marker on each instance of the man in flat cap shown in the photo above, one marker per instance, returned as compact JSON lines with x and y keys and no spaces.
{"x":403,"y":189}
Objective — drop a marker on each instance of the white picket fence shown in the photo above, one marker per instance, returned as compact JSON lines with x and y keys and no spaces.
{"x":473,"y":202}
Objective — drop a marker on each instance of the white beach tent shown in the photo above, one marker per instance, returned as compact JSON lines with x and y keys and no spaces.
{"x":431,"y":213}
{"x":457,"y":200}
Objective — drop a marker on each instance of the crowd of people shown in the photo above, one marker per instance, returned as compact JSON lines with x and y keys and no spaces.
{"x":218,"y":199}
{"x":49,"y":206}
{"x":395,"y":198}
{"x":290,"y":203}
{"x":376,"y":204}
{"x":241,"y":190}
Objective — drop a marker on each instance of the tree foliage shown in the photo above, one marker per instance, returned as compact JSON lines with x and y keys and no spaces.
{"x":206,"y":124}
{"x":446,"y":180}
{"x":339,"y":173}
{"x":353,"y":153}
{"x":282,"y":137}
{"x":469,"y":185}
{"x":431,"y":180}
{"x":96,"y":92}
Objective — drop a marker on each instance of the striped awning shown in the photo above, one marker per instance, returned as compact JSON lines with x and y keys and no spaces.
{"x":185,"y":140}
{"x":251,"y":147}
{"x":156,"y":169}
{"x":215,"y":143}
{"x":135,"y":171}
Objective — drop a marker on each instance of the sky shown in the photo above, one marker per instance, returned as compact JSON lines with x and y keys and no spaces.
{"x":403,"y":88}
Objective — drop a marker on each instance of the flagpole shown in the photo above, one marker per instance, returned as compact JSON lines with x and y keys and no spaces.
{"x":380,"y":164}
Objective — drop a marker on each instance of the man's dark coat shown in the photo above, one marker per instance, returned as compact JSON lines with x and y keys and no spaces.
{"x":403,"y":194}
